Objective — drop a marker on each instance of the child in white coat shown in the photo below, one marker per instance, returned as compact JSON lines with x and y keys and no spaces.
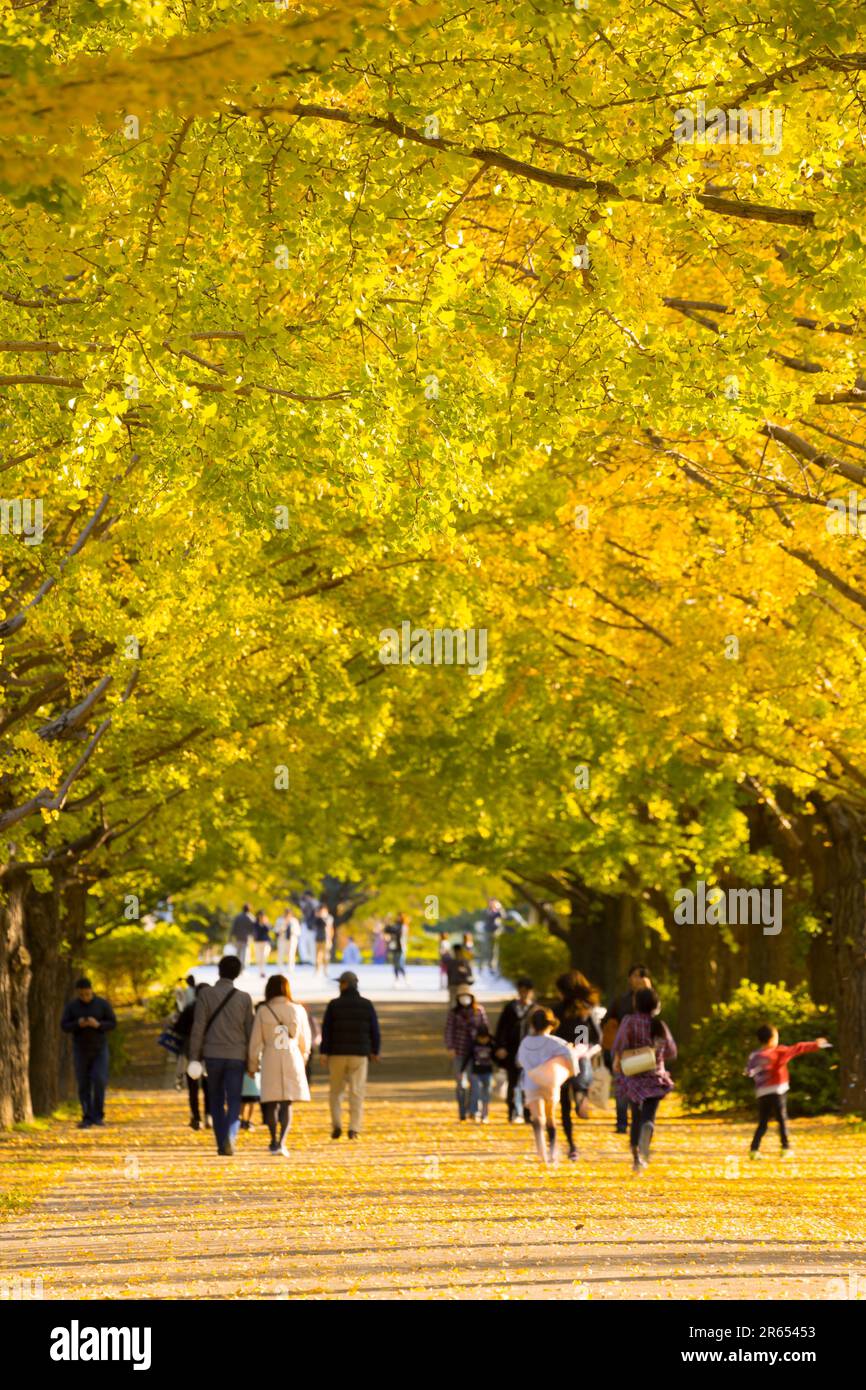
{"x":546,"y":1063}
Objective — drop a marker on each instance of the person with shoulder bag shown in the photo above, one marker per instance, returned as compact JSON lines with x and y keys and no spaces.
{"x":282,"y":1041}
{"x":221,"y":1028}
{"x":642,"y":1046}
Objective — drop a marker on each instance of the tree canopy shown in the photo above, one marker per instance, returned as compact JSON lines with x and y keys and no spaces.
{"x":319,"y":319}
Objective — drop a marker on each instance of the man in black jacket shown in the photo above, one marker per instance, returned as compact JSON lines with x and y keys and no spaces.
{"x":350,"y":1037}
{"x":89,"y":1018}
{"x":510,"y":1032}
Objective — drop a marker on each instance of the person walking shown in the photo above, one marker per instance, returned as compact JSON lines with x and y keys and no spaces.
{"x":89,"y":1018}
{"x":220,"y":1036}
{"x":196,"y":1085}
{"x":262,"y":940}
{"x":350,"y":1040}
{"x":510,"y":1032}
{"x":323,"y":927}
{"x":547,"y":1064}
{"x":398,"y":932}
{"x":642,"y":1046}
{"x":280,"y":1042}
{"x":287,"y":930}
{"x":480,"y":1068}
{"x":459,"y":973}
{"x":577,"y":1024}
{"x":491,"y":927}
{"x":462,"y":1025}
{"x":444,"y":957}
{"x":768,"y":1068}
{"x":623,"y":1004}
{"x":242,"y":931}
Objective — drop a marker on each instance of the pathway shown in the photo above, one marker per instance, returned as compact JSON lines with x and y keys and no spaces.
{"x":424,"y":1207}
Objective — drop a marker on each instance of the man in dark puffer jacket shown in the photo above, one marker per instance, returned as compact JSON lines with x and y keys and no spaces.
{"x":350,"y":1037}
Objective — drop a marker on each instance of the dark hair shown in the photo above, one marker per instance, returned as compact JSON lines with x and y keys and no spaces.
{"x":765,"y":1032}
{"x":642,"y":968}
{"x":541,"y":1018}
{"x":576,"y":989}
{"x":83,"y":983}
{"x":457,"y":947}
{"x":190,"y":979}
{"x":646,"y":1001}
{"x":277,"y":987}
{"x":524,"y":982}
{"x":230,"y":967}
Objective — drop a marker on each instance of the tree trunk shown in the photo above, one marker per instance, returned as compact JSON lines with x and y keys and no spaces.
{"x":697,"y":971}
{"x":846,"y":888}
{"x":45,"y":926}
{"x":14,"y":985}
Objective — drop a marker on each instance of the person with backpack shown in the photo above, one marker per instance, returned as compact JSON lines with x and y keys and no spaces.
{"x":463,"y":1023}
{"x":510,"y":1032}
{"x":642,"y":1046}
{"x":221,"y":1029}
{"x":281,"y":1041}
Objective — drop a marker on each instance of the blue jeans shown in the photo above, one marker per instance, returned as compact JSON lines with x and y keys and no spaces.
{"x":91,"y":1074}
{"x":479,"y":1094}
{"x":225,"y":1079}
{"x":462,"y":1081}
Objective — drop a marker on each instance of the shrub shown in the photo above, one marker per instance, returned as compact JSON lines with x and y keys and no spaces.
{"x":711,"y":1075}
{"x":533,"y":951}
{"x":127,"y":962}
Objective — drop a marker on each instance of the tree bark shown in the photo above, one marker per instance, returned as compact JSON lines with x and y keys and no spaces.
{"x":846,"y":892}
{"x":14,"y":986}
{"x":54,"y":927}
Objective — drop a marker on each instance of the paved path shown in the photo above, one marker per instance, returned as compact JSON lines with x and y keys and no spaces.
{"x":377,"y":982}
{"x":424,"y":1207}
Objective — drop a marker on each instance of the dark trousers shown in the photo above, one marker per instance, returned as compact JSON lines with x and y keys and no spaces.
{"x":570,"y":1095}
{"x":91,"y":1074}
{"x":621,"y":1115}
{"x":196,"y":1087}
{"x":225,"y":1079}
{"x":270,"y":1109}
{"x":512,"y":1071}
{"x":771,"y":1108}
{"x":643,"y":1114}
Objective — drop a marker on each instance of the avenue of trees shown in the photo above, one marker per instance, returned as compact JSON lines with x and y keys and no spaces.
{"x":319,"y":319}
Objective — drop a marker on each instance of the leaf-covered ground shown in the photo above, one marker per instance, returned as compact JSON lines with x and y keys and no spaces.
{"x":425,"y":1207}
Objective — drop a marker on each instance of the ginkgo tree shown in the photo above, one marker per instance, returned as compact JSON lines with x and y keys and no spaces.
{"x":319,"y":319}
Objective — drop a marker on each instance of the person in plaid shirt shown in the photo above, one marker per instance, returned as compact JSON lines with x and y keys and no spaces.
{"x":461,"y":1026}
{"x":768,"y":1068}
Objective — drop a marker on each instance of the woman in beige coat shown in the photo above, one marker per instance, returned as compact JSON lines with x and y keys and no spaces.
{"x":281,"y":1039}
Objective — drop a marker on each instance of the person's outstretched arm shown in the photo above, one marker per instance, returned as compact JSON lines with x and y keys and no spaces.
{"x":787,"y":1054}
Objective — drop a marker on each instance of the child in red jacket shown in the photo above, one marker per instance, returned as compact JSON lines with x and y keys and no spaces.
{"x":768,"y":1068}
